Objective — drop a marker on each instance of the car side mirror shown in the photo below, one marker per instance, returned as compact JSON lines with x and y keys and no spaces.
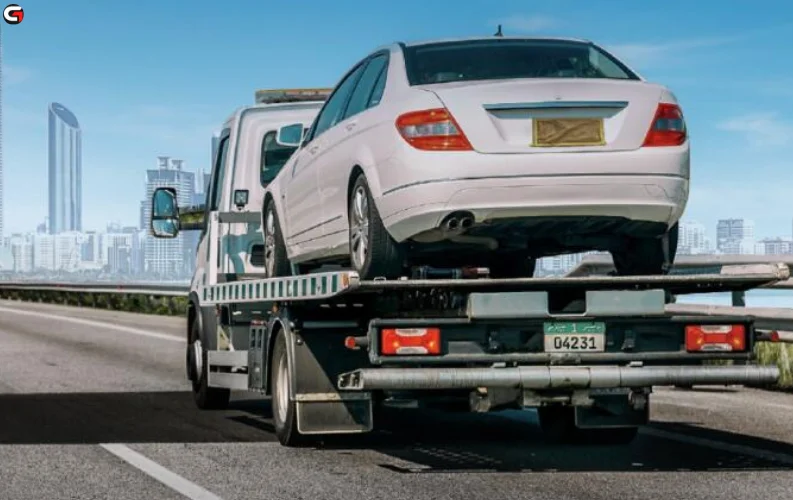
{"x":164,"y":213}
{"x":290,"y":135}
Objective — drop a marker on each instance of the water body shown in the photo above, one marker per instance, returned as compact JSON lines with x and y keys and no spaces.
{"x":754,"y":298}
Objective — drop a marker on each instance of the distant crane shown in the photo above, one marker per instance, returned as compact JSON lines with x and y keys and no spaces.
{"x":499,"y":33}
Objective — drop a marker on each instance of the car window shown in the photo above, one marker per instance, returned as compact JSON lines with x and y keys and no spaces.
{"x":360,"y":98}
{"x":507,"y":59}
{"x":218,"y":174}
{"x":379,"y":88}
{"x":274,"y":156}
{"x":331,"y":114}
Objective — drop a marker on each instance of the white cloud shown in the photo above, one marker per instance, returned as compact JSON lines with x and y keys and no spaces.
{"x":14,"y":75}
{"x":761,"y":129}
{"x":526,"y":23}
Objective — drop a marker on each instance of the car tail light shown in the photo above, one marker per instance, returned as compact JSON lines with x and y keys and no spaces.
{"x":668,"y":128}
{"x":398,"y":341}
{"x":715,"y":338}
{"x":432,"y":130}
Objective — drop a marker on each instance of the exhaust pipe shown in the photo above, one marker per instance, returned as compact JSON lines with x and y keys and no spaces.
{"x":452,"y":224}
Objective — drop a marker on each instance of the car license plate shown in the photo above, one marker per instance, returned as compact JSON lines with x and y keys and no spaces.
{"x":567,"y":132}
{"x":575,"y":336}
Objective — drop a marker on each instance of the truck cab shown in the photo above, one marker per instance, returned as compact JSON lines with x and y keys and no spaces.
{"x":248,"y":157}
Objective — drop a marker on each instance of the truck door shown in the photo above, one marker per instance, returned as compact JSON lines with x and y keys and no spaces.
{"x":214,"y":194}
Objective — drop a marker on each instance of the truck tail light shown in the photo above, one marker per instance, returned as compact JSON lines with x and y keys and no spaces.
{"x":715,"y":338}
{"x":432,"y":130}
{"x":668,"y":127}
{"x":399,"y":341}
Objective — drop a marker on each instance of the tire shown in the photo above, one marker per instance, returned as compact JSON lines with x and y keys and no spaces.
{"x":558,"y":427}
{"x":206,"y":398}
{"x":381,"y":255}
{"x":514,"y":265}
{"x":647,"y":256}
{"x":276,"y":263}
{"x":284,"y":408}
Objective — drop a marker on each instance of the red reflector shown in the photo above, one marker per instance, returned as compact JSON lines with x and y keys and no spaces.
{"x":668,"y":127}
{"x":715,"y":338}
{"x":410,"y":341}
{"x":349,"y":343}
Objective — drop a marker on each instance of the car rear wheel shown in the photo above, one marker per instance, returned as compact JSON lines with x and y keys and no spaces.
{"x":647,"y":256}
{"x":373,"y":252}
{"x":275,"y":261}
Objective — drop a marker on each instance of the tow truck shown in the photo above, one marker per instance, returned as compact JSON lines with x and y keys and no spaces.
{"x":331,"y":349}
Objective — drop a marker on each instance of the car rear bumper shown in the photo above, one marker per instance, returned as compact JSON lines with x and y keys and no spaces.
{"x":420,"y":207}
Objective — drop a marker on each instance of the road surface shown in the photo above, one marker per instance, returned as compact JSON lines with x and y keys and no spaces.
{"x":94,"y":404}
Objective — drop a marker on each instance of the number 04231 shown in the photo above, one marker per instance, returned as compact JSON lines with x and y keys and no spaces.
{"x":575,"y":337}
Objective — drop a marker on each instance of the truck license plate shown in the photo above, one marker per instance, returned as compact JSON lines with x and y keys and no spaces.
{"x":575,"y":336}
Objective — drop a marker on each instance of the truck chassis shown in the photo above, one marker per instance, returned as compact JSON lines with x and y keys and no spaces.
{"x":332,"y":349}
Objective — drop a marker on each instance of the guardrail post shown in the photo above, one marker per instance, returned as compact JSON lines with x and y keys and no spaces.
{"x":739,"y":299}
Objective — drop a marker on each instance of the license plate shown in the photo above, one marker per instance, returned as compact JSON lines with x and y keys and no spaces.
{"x":575,"y":336}
{"x":566,"y":132}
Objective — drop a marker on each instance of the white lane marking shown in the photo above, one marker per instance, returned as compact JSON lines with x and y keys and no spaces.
{"x":160,"y":473}
{"x":99,"y":324}
{"x":719,"y":445}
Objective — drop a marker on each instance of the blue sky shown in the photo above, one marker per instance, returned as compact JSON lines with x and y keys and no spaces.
{"x":152,"y":78}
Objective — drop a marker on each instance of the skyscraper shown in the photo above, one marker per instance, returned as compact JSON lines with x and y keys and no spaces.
{"x":1,"y":137}
{"x":735,"y":236}
{"x":65,"y":170}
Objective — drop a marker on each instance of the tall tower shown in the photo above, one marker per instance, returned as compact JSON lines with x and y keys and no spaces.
{"x":1,"y":137}
{"x":65,"y":170}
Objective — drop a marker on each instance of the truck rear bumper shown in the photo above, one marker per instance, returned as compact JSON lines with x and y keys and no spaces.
{"x":553,"y":377}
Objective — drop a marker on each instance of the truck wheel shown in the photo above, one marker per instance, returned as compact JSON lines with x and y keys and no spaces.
{"x":206,"y":398}
{"x":284,"y":409}
{"x":276,"y":263}
{"x":373,"y":253}
{"x":647,"y":256}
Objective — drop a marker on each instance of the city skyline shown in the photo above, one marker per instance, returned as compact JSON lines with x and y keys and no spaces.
{"x":741,"y":126}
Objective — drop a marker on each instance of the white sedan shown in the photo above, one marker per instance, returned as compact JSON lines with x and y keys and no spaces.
{"x":488,"y":152}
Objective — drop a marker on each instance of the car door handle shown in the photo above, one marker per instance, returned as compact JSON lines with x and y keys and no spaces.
{"x":350,"y":126}
{"x":313,"y":149}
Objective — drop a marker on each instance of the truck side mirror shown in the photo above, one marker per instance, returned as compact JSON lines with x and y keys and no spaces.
{"x":164,"y":213}
{"x":290,"y":135}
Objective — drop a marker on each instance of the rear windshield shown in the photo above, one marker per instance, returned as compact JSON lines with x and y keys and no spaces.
{"x":497,"y":59}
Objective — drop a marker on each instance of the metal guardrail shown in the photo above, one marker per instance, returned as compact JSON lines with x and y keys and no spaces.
{"x":126,"y":288}
{"x":776,"y":323}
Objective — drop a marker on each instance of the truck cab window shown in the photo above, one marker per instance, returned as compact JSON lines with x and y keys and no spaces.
{"x":274,"y":156}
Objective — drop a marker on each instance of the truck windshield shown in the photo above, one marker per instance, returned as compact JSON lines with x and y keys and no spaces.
{"x":496,"y":59}
{"x":274,"y":156}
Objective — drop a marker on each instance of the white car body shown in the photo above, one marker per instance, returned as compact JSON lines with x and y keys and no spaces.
{"x":556,"y":195}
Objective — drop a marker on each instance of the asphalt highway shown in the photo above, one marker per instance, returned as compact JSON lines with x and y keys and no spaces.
{"x":94,"y":404}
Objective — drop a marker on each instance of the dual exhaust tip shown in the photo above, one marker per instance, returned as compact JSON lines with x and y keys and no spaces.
{"x":458,"y":222}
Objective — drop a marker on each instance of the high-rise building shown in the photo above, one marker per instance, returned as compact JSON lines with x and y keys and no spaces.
{"x":65,"y":170}
{"x":735,"y":236}
{"x":692,"y":239}
{"x":775,"y":246}
{"x":167,"y":257}
{"x":1,"y":138}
